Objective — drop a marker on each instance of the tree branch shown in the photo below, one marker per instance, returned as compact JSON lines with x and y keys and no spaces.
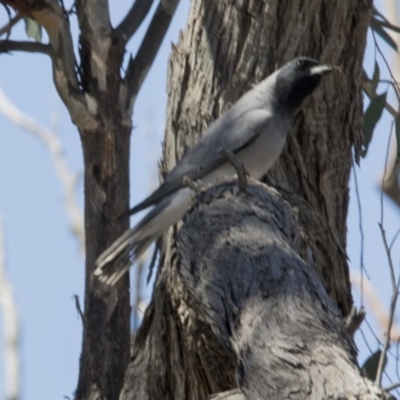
{"x":133,"y":19}
{"x":27,"y":46}
{"x":140,"y":65}
{"x":11,"y":330}
{"x":266,"y":305}
{"x":54,"y":146}
{"x":95,"y":16}
{"x":51,"y":16}
{"x":7,"y":27}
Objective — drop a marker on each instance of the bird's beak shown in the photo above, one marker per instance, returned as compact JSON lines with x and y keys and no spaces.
{"x":322,"y":69}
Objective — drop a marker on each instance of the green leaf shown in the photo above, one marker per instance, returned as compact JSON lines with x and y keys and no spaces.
{"x":397,"y":129}
{"x":384,"y":35}
{"x":375,"y":77}
{"x":33,"y":29}
{"x":371,"y":117}
{"x":371,"y":364}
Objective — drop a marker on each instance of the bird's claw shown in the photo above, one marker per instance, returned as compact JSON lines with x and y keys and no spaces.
{"x":239,"y":167}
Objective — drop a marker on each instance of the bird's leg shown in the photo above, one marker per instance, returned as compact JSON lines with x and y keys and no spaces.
{"x":197,"y":186}
{"x":239,"y":167}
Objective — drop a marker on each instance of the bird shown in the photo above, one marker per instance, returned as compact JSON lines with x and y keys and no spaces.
{"x":254,"y":129}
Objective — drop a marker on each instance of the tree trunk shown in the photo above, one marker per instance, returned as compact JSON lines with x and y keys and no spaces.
{"x":226,"y":48}
{"x":240,"y":264}
{"x":106,"y":334}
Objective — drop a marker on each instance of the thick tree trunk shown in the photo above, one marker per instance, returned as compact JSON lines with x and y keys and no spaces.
{"x":226,"y":48}
{"x":240,"y":264}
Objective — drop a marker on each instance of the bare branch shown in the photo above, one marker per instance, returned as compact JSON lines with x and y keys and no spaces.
{"x":133,"y":19}
{"x":7,"y":27}
{"x":392,"y":387}
{"x":54,"y":146}
{"x":362,"y":240}
{"x":30,"y":47}
{"x":79,"y":309}
{"x":52,"y":17}
{"x":11,"y":330}
{"x":139,"y":67}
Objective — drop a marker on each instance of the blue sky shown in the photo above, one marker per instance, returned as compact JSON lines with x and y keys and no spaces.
{"x":43,"y":256}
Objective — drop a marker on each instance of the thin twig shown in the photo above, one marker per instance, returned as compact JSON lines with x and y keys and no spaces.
{"x":396,"y":235}
{"x":362,"y":240}
{"x":78,"y":308}
{"x":12,"y":351}
{"x":391,"y":387}
{"x":7,"y":27}
{"x":395,"y":285}
{"x":387,"y":66}
{"x":365,"y":340}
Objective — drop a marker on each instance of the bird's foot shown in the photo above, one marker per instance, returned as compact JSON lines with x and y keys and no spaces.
{"x":197,"y":186}
{"x":239,"y":167}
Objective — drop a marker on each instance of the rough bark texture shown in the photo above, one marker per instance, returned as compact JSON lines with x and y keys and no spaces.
{"x":226,"y":48}
{"x":240,"y":264}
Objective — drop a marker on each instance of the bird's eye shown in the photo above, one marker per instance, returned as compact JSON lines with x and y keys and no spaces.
{"x":301,"y":64}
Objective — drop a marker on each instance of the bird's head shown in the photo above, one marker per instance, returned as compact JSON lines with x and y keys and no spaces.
{"x":297,"y":79}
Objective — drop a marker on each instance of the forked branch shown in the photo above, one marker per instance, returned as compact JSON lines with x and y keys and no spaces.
{"x":140,"y":65}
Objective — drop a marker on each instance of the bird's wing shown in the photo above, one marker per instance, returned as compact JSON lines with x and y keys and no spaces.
{"x":232,"y":132}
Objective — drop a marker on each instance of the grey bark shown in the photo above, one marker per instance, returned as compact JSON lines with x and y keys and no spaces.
{"x":240,"y":264}
{"x":226,"y":48}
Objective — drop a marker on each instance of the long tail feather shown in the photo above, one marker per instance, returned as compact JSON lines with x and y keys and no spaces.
{"x":116,"y":260}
